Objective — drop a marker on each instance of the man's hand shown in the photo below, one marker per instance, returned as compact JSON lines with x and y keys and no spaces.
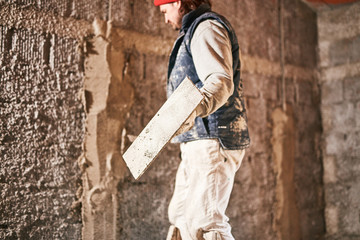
{"x":188,"y":124}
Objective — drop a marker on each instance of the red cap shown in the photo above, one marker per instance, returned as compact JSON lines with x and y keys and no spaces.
{"x":161,"y":2}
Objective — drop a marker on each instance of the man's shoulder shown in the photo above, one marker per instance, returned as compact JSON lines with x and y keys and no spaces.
{"x":209,"y":25}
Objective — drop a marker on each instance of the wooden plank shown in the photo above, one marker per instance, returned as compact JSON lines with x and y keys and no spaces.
{"x":162,"y":127}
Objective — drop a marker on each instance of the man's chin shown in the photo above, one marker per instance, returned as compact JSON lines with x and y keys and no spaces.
{"x":175,"y":27}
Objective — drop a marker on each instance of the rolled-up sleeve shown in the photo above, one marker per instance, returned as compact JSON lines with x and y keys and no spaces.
{"x":212,"y":56}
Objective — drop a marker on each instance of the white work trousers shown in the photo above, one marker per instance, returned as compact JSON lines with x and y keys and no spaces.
{"x":204,"y":182}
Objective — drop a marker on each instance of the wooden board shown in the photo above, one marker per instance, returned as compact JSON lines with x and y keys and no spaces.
{"x":162,"y":127}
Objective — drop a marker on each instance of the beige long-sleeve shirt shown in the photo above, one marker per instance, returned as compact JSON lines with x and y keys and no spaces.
{"x":211,"y":52}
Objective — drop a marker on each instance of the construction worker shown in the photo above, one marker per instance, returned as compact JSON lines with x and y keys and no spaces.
{"x":215,"y":136}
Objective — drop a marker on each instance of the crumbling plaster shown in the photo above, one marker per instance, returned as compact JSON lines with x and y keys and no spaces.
{"x":109,"y":96}
{"x":287,"y":216}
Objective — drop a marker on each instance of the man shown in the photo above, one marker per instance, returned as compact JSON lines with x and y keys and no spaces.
{"x":207,"y":52}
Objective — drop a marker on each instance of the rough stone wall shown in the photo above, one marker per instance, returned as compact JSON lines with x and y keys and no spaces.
{"x":339,"y":62}
{"x":42,"y":125}
{"x":120,"y":72}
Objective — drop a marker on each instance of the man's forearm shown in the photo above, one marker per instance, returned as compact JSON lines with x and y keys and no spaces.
{"x":211,"y":51}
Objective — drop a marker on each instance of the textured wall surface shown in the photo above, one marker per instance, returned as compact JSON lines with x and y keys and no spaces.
{"x":50,"y":58}
{"x":41,"y":135}
{"x":339,"y":55}
{"x":42,"y":124}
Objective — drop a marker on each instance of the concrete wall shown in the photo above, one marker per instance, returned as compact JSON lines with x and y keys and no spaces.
{"x":339,"y":62}
{"x":75,"y":93}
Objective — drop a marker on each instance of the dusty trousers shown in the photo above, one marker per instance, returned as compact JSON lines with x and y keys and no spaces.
{"x":204,"y":182}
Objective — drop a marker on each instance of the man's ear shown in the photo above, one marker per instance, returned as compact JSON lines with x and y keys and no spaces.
{"x":177,"y":4}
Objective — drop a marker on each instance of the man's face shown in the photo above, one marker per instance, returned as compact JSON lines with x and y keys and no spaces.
{"x":171,"y":14}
